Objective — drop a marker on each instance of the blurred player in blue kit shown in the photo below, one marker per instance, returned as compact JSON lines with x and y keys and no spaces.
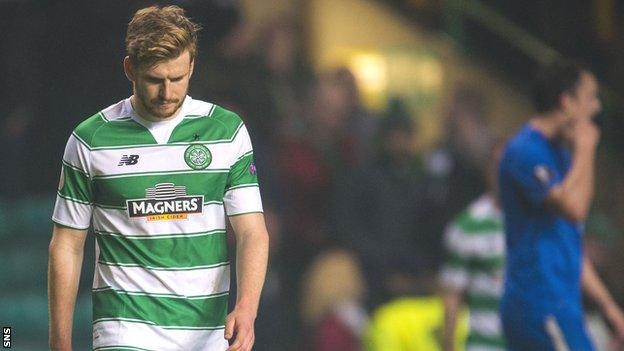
{"x":547,"y":185}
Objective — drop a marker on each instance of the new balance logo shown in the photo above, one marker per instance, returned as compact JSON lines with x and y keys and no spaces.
{"x":128,"y":160}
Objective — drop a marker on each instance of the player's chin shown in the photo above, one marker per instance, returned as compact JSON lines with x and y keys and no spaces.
{"x":163,"y":111}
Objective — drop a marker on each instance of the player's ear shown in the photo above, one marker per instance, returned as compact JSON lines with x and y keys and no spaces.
{"x":565,"y":101}
{"x":191,"y":69}
{"x":129,"y":68}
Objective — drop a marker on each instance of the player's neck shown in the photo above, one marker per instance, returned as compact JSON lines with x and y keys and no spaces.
{"x":548,"y":124}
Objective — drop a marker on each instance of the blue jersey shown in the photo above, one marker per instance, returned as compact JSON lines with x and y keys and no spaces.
{"x":543,"y":270}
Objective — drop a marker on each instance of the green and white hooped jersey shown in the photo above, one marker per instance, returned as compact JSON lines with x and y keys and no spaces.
{"x":475,"y":243}
{"x":158,"y":212}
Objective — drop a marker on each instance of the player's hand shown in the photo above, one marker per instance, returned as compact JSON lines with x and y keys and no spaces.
{"x":239,"y":329}
{"x":585,"y":135}
{"x":616,"y":318}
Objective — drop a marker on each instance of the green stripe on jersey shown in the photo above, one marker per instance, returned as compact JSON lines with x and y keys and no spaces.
{"x":240,"y":172}
{"x":455,"y":260}
{"x":181,"y":252}
{"x":230,"y":120}
{"x":126,"y":132}
{"x":471,"y":225}
{"x":207,"y":129}
{"x":113,"y":192}
{"x":85,"y":130}
{"x":483,"y":302}
{"x":490,"y":264}
{"x":97,"y":132}
{"x":76,"y":184}
{"x":208,"y":312}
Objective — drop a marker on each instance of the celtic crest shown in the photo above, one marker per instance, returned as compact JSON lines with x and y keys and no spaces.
{"x":197,"y":156}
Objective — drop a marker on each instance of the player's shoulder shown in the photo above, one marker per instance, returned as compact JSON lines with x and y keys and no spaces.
{"x":194,"y":108}
{"x":526,"y":139}
{"x":219,"y":122}
{"x":228,"y":121}
{"x":481,"y":215}
{"x":524,"y":146}
{"x":207,"y":110}
{"x":227,"y":117}
{"x":86,"y":130}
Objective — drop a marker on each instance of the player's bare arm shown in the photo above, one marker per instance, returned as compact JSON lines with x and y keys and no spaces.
{"x":452,"y":299}
{"x":572,"y":198}
{"x":596,"y":290}
{"x":65,"y":260}
{"x":252,"y":247}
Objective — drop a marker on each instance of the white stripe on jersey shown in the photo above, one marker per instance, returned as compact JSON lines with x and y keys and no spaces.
{"x":71,"y":213}
{"x":242,"y":200}
{"x":116,"y":221}
{"x":77,"y":154}
{"x":187,"y":283}
{"x":454,"y":278}
{"x":150,"y":159}
{"x":487,"y":284}
{"x":483,"y":245}
{"x":151,"y":337}
{"x":485,"y":323}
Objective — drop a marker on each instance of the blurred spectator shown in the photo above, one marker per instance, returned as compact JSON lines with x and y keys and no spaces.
{"x":335,"y":123}
{"x":337,"y":105}
{"x":454,"y":167}
{"x":377,"y":211}
{"x":332,"y":302}
{"x":475,"y":244}
{"x":284,"y":78}
{"x":330,"y":138}
{"x":410,"y":324}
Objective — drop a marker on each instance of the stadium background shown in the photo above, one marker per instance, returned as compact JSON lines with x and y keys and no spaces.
{"x":323,"y":86}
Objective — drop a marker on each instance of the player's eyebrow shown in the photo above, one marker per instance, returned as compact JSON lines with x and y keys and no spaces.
{"x":158,"y":79}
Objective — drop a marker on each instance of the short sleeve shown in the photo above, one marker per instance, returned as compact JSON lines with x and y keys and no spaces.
{"x":456,"y":271}
{"x":73,"y":206}
{"x":535,"y":173}
{"x":242,"y":192}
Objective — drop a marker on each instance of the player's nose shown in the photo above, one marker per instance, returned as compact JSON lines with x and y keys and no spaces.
{"x":165,"y":92}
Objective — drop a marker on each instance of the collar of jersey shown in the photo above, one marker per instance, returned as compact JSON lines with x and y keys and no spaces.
{"x":152,"y":125}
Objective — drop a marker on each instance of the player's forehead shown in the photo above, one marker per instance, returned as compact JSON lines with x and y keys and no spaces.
{"x":171,"y":68}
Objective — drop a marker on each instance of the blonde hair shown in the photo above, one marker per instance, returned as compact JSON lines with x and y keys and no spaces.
{"x":334,"y":277}
{"x":158,"y":34}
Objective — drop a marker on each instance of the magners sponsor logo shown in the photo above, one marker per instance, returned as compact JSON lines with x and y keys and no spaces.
{"x":165,"y":202}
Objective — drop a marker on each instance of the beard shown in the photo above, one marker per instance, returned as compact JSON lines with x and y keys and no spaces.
{"x":161,"y":109}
